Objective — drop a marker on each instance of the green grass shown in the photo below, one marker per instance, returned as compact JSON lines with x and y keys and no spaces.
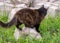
{"x":49,"y":29}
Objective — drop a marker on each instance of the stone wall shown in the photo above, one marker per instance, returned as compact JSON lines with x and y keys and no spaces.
{"x":8,"y":5}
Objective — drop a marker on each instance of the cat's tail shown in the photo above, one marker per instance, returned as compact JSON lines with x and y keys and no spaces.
{"x":9,"y":24}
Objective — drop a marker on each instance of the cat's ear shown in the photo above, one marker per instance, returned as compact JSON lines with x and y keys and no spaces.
{"x":42,"y":6}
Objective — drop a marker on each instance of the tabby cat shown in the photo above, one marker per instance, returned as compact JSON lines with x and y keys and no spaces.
{"x":31,"y":18}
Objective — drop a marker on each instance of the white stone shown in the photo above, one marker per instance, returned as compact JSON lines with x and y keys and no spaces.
{"x":53,"y":11}
{"x":6,"y":7}
{"x":17,"y":34}
{"x":31,"y":32}
{"x":21,"y":6}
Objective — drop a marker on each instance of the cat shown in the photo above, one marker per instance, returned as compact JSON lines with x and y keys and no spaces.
{"x":29,"y":17}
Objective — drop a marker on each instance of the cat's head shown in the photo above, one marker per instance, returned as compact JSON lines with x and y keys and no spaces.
{"x":43,"y":10}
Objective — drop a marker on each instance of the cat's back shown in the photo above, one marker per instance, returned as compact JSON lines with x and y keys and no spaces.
{"x":26,"y":12}
{"x":28,"y":15}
